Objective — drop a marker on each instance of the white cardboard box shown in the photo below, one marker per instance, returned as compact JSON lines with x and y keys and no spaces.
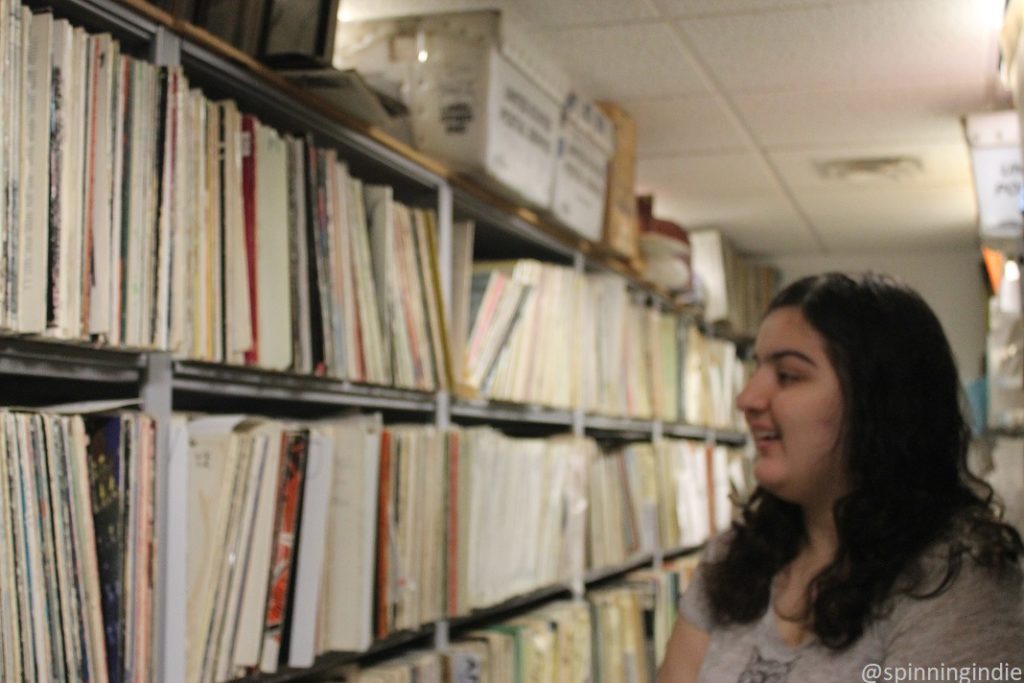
{"x":481,"y":98}
{"x":585,"y":146}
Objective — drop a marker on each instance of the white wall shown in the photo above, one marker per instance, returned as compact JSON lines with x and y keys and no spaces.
{"x":950,"y":281}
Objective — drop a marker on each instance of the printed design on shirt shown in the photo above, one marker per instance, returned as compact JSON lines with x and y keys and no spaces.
{"x":761,"y":670}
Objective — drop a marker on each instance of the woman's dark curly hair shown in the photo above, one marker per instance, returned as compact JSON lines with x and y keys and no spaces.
{"x":905,"y":438}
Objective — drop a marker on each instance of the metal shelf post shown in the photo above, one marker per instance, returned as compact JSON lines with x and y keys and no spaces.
{"x":171,"y":525}
{"x":579,"y":424}
{"x":165,"y":50}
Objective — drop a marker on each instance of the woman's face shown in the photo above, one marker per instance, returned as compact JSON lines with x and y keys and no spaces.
{"x":793,"y":405}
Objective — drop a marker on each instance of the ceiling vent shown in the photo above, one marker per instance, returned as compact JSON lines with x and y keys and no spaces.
{"x":870,"y":169}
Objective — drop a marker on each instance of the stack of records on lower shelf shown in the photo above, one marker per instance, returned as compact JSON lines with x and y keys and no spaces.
{"x":523,"y":334}
{"x":308,"y":538}
{"x":348,"y":607}
{"x":619,"y":633}
{"x":329,"y":536}
{"x":76,"y":563}
{"x":252,"y":588}
{"x":617,"y":355}
{"x":549,"y":645}
{"x":517,"y":515}
{"x":671,"y":494}
{"x":325,"y":537}
{"x":495,"y":305}
{"x":418,"y":666}
{"x":658,"y":593}
{"x":645,"y":496}
{"x":698,"y":488}
{"x":713,"y":376}
{"x":623,"y":507}
{"x":665,"y":361}
{"x":683,"y":501}
{"x":654,"y":594}
{"x":411,"y":529}
{"x":620,"y":649}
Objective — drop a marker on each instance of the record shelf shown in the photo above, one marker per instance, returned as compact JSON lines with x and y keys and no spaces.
{"x":46,"y":372}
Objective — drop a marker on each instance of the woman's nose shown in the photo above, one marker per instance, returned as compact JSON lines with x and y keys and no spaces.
{"x":754,"y":396}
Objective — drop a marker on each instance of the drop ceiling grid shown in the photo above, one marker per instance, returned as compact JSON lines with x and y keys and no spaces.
{"x":727,"y":191}
{"x":910,"y":217}
{"x":713,"y":82}
{"x":698,"y":8}
{"x":622,"y":63}
{"x":704,"y":173}
{"x":353,"y":10}
{"x":907,"y":115}
{"x":669,"y":126}
{"x":548,"y":13}
{"x":866,"y":44}
{"x":942,"y":152}
{"x":757,"y":223}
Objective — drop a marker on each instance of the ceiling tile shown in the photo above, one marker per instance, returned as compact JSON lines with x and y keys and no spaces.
{"x":696,"y":175}
{"x":944,"y":165}
{"x":683,"y":124}
{"x":539,"y":13}
{"x":858,"y":116}
{"x":908,"y":218}
{"x":545,"y":13}
{"x":354,"y":10}
{"x":757,"y":224}
{"x":876,"y":44}
{"x":729,"y":192}
{"x":626,"y":62}
{"x":761,"y":242}
{"x":701,"y":7}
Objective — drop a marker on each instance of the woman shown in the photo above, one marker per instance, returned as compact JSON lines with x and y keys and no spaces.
{"x":868,"y":551}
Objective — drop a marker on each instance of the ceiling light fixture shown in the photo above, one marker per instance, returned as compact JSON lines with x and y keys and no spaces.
{"x":870,"y":169}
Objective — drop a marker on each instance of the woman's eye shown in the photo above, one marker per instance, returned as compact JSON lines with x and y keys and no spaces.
{"x":785,"y":378}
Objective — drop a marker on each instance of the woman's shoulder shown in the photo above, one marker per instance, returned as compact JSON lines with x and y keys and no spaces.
{"x":977,"y":547}
{"x":959,"y":603}
{"x":972,"y":555}
{"x":977,"y":617}
{"x":695,"y":605}
{"x":958,"y":587}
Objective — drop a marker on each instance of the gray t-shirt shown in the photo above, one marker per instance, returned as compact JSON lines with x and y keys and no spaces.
{"x":977,"y":623}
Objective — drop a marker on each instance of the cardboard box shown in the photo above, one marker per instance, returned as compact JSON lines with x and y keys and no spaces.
{"x":586,"y":143}
{"x":621,"y":224}
{"x":482,"y":99}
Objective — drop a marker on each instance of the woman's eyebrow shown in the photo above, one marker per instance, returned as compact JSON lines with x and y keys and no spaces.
{"x":776,"y":356}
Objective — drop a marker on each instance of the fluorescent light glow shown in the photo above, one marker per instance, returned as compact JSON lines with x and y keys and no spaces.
{"x":1011,"y":271}
{"x":422,"y":56}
